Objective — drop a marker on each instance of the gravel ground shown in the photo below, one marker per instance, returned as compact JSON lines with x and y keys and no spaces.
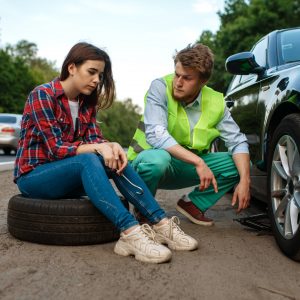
{"x":233,"y":262}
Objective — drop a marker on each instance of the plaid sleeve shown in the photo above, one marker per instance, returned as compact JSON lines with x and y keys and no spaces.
{"x":93,"y":133}
{"x":42,"y":108}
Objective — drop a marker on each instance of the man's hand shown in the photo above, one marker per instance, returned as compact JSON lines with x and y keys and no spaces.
{"x":206,"y":176}
{"x":242,"y":191}
{"x":241,"y":195}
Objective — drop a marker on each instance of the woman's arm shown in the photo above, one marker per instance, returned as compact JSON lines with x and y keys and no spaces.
{"x":41,"y":107}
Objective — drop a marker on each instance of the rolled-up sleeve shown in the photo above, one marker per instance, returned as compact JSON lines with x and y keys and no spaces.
{"x":230,"y":133}
{"x":156,"y":117}
{"x":93,"y":133}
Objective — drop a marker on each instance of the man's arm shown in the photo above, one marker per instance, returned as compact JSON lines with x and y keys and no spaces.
{"x":236,"y":143}
{"x":242,"y":190}
{"x":156,"y":117}
{"x":205,"y":174}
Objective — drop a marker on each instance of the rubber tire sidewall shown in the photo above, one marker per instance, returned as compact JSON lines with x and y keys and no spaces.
{"x":59,"y":222}
{"x":290,"y":126}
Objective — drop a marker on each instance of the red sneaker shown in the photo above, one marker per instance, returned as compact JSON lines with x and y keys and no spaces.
{"x":193,"y":213}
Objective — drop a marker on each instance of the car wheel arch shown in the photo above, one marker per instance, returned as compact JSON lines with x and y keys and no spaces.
{"x":275,"y":117}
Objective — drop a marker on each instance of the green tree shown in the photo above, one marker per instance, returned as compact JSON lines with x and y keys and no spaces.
{"x":41,"y":69}
{"x":119,"y":122}
{"x":23,"y":49}
{"x":20,"y":71}
{"x":243,"y":23}
{"x":16,"y":81}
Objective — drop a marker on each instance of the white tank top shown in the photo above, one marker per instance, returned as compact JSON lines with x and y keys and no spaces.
{"x":74,"y":111}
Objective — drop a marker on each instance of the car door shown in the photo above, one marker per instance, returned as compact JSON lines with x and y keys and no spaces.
{"x":248,"y":112}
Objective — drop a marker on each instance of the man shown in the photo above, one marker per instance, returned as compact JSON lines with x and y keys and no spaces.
{"x":170,"y":148}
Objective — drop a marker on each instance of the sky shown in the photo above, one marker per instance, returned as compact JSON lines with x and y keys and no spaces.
{"x":140,"y":36}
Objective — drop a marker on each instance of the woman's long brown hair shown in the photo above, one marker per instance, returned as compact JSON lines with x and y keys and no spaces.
{"x":103,"y":96}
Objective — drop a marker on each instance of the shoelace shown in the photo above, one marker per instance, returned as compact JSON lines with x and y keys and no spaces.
{"x":174,"y":226}
{"x":149,"y":232}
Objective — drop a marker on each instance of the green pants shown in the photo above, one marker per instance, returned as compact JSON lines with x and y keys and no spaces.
{"x":160,"y":170}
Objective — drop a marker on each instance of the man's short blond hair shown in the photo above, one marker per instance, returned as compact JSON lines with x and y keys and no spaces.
{"x":198,"y":57}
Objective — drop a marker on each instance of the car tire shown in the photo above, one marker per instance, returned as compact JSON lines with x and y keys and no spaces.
{"x":7,"y":151}
{"x":59,"y":222}
{"x":284,"y":185}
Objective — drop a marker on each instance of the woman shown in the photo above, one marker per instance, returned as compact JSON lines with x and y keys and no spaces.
{"x":62,"y":151}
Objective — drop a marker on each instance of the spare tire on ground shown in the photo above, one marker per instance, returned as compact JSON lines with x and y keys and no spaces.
{"x":59,"y":222}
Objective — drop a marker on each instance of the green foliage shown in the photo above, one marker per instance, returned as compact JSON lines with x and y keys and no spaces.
{"x":15,"y":82}
{"x":41,"y":69}
{"x":20,"y":71}
{"x":119,"y":122}
{"x":243,"y":23}
{"x":24,"y":49}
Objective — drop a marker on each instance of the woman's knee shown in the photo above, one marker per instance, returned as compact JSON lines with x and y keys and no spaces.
{"x":87,"y":159}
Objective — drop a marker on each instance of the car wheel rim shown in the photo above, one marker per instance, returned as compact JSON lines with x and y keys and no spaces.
{"x":285,"y":186}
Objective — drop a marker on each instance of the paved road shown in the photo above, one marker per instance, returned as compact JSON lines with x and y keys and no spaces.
{"x":232,"y":262}
{"x":6,"y":161}
{"x":5,"y":158}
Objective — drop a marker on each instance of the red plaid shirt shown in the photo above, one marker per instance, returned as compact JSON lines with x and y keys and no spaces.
{"x":47,"y":131}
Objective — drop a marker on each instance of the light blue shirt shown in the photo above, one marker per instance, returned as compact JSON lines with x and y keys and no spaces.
{"x":156,"y":121}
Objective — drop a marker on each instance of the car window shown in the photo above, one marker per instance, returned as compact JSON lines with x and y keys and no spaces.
{"x":234,"y":82}
{"x":8,"y":119}
{"x":289,"y":46}
{"x":260,"y":52}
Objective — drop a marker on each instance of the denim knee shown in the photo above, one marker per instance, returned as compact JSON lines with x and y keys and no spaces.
{"x":88,"y":158}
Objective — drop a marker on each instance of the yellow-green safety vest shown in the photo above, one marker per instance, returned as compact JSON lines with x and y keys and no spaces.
{"x":212,"y":110}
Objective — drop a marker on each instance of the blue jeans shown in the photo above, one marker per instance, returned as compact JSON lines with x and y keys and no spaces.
{"x":87,"y":173}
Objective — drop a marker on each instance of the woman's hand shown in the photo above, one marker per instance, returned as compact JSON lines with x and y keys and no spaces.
{"x":109,"y":158}
{"x":113,"y":154}
{"x":120,"y":157}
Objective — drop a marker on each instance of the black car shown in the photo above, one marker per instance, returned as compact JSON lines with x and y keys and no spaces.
{"x":264,"y":96}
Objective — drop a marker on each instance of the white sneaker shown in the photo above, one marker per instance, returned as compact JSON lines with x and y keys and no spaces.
{"x":141,"y":243}
{"x":172,"y":235}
